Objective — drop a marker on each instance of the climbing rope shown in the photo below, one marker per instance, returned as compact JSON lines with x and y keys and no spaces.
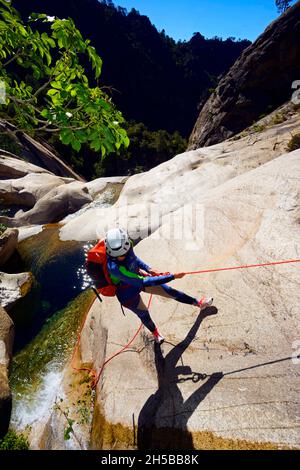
{"x":92,"y":373}
{"x":244,"y":266}
{"x":96,"y":376}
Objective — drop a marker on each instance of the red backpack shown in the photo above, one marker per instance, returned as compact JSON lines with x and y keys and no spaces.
{"x":96,"y":266}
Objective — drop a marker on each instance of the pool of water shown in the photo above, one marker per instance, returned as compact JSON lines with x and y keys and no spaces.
{"x":59,"y":276}
{"x":47,"y":320}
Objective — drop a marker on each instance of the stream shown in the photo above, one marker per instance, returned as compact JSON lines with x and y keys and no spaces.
{"x":47,"y":320}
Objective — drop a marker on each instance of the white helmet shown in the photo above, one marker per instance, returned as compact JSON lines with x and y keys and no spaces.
{"x":117,"y":242}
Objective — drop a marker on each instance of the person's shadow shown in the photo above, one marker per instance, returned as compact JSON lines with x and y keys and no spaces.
{"x":162,"y":422}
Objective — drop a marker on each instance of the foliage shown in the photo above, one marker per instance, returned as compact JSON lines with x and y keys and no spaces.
{"x":282,"y":5}
{"x":147,"y":149}
{"x":279,"y":118}
{"x":294,"y":143}
{"x":14,"y":441}
{"x":2,"y":228}
{"x":79,"y":410}
{"x":153,"y":79}
{"x":44,"y":64}
{"x":259,"y":127}
{"x":68,"y":430}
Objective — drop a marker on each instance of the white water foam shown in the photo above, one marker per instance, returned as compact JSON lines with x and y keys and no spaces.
{"x":103,"y":200}
{"x":37,"y":406}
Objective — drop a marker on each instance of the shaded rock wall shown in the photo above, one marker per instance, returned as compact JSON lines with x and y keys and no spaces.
{"x":260,"y":80}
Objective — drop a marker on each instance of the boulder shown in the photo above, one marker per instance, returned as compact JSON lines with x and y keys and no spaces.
{"x":8,"y":244}
{"x":25,"y":191}
{"x":49,"y":198}
{"x":13,"y":287}
{"x":99,"y":185}
{"x":53,"y":206}
{"x":6,"y":344}
{"x":12,"y":166}
{"x":259,"y":80}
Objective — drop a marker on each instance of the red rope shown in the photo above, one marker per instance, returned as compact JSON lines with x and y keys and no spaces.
{"x":96,"y":376}
{"x":244,"y":266}
{"x":91,"y":371}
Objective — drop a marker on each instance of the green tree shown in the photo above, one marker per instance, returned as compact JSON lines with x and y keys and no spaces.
{"x":44,"y":66}
{"x":147,"y":149}
{"x":282,"y":5}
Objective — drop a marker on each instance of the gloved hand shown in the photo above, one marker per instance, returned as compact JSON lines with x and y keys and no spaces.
{"x":179,"y":275}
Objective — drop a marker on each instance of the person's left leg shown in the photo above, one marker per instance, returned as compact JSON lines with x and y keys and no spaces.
{"x":168,"y":292}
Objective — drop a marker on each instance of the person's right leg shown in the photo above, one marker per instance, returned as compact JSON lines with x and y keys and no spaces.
{"x":140,"y":309}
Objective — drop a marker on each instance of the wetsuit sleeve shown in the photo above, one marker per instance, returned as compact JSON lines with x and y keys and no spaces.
{"x":136,"y":280}
{"x":141,"y":263}
{"x":157,"y":280}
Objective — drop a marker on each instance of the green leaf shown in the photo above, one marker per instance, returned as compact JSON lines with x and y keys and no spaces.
{"x":36,"y":71}
{"x":52,"y":92}
{"x":66,"y":136}
{"x":48,"y":57}
{"x":51,"y":42}
{"x":56,"y":85}
{"x":37,"y":16}
{"x":76,"y":145}
{"x":126,"y":141}
{"x":96,"y":145}
{"x":45,"y":113}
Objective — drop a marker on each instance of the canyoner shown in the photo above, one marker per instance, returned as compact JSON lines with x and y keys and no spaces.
{"x":116,"y":270}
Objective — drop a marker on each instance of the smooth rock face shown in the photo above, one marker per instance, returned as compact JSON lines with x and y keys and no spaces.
{"x":6,"y":344}
{"x":8,"y":244}
{"x":13,"y":167}
{"x":49,"y":198}
{"x":149,"y":197}
{"x":230,"y":373}
{"x":219,"y":377}
{"x":261,"y":78}
{"x":13,"y":287}
{"x":55,"y":205}
{"x":98,"y":185}
{"x":27,"y":190}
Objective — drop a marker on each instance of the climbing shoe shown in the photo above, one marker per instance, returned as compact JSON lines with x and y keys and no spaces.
{"x":205,"y":302}
{"x":157,"y":337}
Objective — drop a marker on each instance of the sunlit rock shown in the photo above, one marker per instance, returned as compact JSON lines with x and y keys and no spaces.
{"x":13,"y":287}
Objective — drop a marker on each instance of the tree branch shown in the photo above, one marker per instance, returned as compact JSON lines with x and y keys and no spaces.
{"x":18,"y":53}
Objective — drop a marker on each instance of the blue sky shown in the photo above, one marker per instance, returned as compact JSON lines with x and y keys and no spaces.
{"x":223,"y":18}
